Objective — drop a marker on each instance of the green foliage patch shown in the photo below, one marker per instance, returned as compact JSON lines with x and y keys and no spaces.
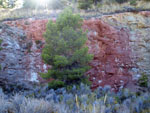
{"x":0,"y":44}
{"x":0,"y":49}
{"x":121,"y":1}
{"x":85,"y":4}
{"x":1,"y":41}
{"x":133,"y":2}
{"x":143,"y":81}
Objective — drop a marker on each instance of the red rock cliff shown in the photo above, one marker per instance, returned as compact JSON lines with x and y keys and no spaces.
{"x":109,"y":45}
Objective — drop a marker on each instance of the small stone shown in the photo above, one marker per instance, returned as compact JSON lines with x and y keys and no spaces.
{"x":99,"y":81}
{"x":121,"y":81}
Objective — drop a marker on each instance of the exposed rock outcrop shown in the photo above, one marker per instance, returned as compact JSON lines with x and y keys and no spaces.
{"x":139,"y":38}
{"x":120,"y":44}
{"x":19,"y":59}
{"x":111,"y":50}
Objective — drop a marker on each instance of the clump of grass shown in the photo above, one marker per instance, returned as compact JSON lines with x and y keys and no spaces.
{"x":1,"y":41}
{"x":143,"y":80}
{"x":0,"y":50}
{"x":0,"y":44}
{"x":38,"y":42}
{"x":22,"y":104}
{"x":22,"y":13}
{"x":133,"y":2}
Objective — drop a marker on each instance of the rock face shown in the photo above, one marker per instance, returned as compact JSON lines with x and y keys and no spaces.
{"x":120,"y":44}
{"x":19,"y":59}
{"x":12,"y":52}
{"x":111,"y":50}
{"x":139,"y":38}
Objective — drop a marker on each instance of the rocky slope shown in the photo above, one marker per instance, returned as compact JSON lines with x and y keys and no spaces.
{"x":19,"y":57}
{"x":120,"y":44}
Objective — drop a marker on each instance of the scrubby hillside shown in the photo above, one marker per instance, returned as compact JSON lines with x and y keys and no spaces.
{"x":81,"y":100}
{"x":118,"y":37}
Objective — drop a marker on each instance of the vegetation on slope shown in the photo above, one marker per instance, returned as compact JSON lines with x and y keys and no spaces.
{"x":70,"y":61}
{"x":81,"y":100}
{"x":0,"y":48}
{"x":65,"y":50}
{"x":90,"y":8}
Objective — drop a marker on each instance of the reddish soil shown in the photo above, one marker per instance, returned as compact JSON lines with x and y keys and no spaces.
{"x":109,"y":45}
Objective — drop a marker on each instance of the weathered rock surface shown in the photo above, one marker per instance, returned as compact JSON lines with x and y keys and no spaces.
{"x":120,"y":44}
{"x":139,"y":38}
{"x":19,"y":59}
{"x":111,"y":50}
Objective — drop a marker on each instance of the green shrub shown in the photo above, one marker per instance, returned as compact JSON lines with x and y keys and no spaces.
{"x":56,"y":83}
{"x":1,"y":41}
{"x":143,"y":81}
{"x":0,"y":50}
{"x":38,"y":42}
{"x":133,"y":2}
{"x":0,"y":44}
{"x":85,"y":4}
{"x":65,"y":51}
{"x":81,"y":100}
{"x":121,"y":1}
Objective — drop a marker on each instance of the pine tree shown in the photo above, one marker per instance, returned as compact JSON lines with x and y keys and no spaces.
{"x":65,"y":50}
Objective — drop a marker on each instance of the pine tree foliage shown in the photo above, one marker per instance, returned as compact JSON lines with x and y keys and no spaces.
{"x":65,"y":50}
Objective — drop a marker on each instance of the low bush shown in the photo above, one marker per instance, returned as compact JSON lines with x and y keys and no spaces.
{"x":0,"y":44}
{"x":21,"y":104}
{"x":143,"y":80}
{"x":121,"y":1}
{"x":0,"y":49}
{"x":1,"y":41}
{"x":133,"y":2}
{"x":77,"y":100}
{"x":85,"y":4}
